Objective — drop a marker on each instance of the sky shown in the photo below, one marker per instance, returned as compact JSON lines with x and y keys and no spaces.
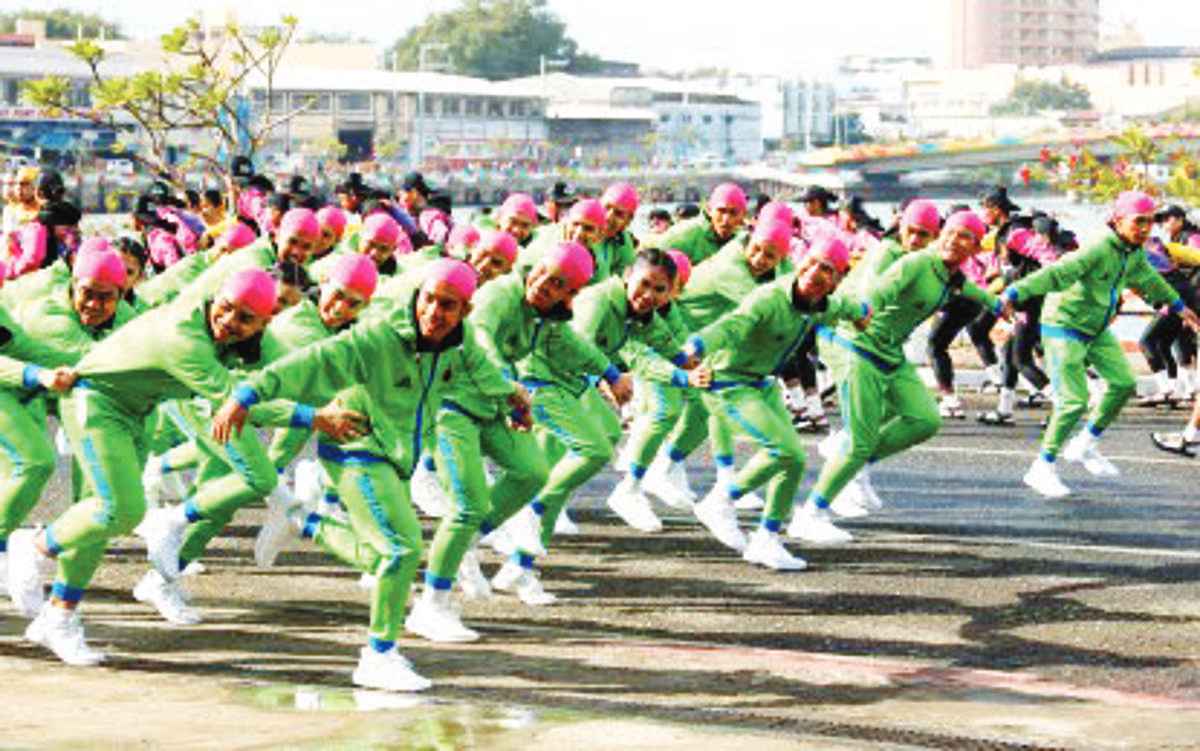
{"x":781,"y":36}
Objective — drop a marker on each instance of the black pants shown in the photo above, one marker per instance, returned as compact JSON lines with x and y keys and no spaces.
{"x":803,"y":363}
{"x":959,"y":313}
{"x":1020,"y":351}
{"x":1168,"y":330}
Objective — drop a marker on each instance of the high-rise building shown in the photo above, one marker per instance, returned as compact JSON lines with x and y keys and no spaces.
{"x":1022,"y":32}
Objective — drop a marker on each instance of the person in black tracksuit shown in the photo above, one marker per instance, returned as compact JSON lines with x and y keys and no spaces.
{"x":1172,"y":375}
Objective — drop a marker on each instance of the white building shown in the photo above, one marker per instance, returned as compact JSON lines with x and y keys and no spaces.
{"x":785,"y":103}
{"x":695,"y":122}
{"x":422,"y":116}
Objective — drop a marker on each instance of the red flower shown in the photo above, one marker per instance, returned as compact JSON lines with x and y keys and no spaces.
{"x":1025,"y":174}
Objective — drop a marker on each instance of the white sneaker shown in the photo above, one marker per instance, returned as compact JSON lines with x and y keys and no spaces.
{"x":950,"y":407}
{"x":427,"y":494}
{"x":870,"y":499}
{"x":633,"y":508}
{"x":716,"y":513}
{"x":309,"y":482}
{"x":388,"y":671}
{"x":500,"y":541}
{"x":153,"y":483}
{"x":524,"y":582}
{"x":194,"y":568}
{"x":1043,"y":477}
{"x":275,"y":531}
{"x":831,"y":445}
{"x":565,"y":525}
{"x":163,"y":533}
{"x":432,"y":618}
{"x":525,"y":530}
{"x":1083,"y":449}
{"x":167,"y":598}
{"x":849,"y":503}
{"x":61,"y":631}
{"x":765,"y":549}
{"x":668,"y":480}
{"x":750,"y":502}
{"x":27,"y":570}
{"x":471,"y":581}
{"x":814,"y":526}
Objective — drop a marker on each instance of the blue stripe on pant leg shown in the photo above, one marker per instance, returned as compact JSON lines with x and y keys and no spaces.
{"x":395,"y":549}
{"x":14,"y":457}
{"x":542,"y":415}
{"x":99,"y":479}
{"x":762,"y":438}
{"x":457,"y":488}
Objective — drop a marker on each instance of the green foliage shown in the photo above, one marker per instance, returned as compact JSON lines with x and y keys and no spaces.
{"x":62,"y":23}
{"x":1029,"y":97}
{"x":494,"y":39}
{"x":195,"y":93}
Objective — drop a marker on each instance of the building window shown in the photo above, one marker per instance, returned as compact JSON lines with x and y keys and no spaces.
{"x":685,"y":118}
{"x":318,"y":102}
{"x":729,"y":119}
{"x":354,"y":102}
{"x":707,"y":119}
{"x":516,"y":108}
{"x":451,"y":106}
{"x":664,"y":118}
{"x":495,"y":108}
{"x":474,"y":107}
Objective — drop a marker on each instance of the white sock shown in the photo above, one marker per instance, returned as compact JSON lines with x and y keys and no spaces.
{"x":634,"y":482}
{"x":993,"y":374}
{"x":796,"y":396}
{"x":178,"y":514}
{"x":1190,"y":433}
{"x":1008,"y":397}
{"x":1163,"y":382}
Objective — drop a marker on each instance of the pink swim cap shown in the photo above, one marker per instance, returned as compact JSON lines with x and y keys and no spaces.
{"x":573,"y":261}
{"x":251,"y":288}
{"x":163,"y":248}
{"x":301,"y":222}
{"x":588,"y":210}
{"x":457,"y":274}
{"x":237,"y":236}
{"x":777,"y":211}
{"x":831,"y":248}
{"x":1019,"y":239}
{"x":436,"y":225}
{"x":462,"y":236}
{"x":499,"y":242}
{"x":775,"y":234}
{"x":622,"y":195}
{"x":94,"y":244}
{"x":355,"y":272}
{"x":968,"y":220}
{"x":727,"y":195}
{"x":1132,"y":203}
{"x":923,"y":214}
{"x":683,"y":265}
{"x":104,"y":266}
{"x":519,"y":203}
{"x":380,"y":228}
{"x":333,"y":218}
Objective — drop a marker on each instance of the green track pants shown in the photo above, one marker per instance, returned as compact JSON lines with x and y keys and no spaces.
{"x":1067,"y":361}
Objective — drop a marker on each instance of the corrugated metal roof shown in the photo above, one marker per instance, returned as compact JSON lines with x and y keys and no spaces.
{"x":53,"y":60}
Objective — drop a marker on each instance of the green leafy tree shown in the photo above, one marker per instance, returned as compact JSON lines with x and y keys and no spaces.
{"x":62,"y":23}
{"x":494,"y":39}
{"x":1029,"y":97}
{"x":198,"y":92}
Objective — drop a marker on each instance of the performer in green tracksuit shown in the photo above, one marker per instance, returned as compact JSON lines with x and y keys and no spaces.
{"x":1082,"y":293}
{"x":524,"y":325}
{"x":67,"y":322}
{"x":165,"y":286}
{"x":470,"y":426}
{"x":27,"y":367}
{"x":919,"y":225}
{"x":621,"y":317}
{"x":700,"y":238}
{"x":517,"y":216}
{"x":885,"y":405}
{"x":394,"y":373}
{"x":717,"y":287}
{"x":620,"y":201}
{"x":293,"y":242}
{"x":745,"y":348}
{"x":584,"y":224}
{"x":175,"y":355}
